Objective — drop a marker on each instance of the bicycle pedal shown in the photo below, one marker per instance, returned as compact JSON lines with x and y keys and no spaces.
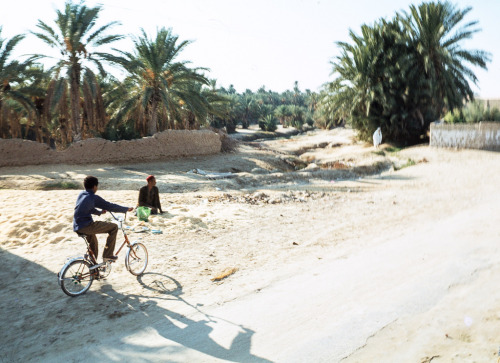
{"x":97,"y":266}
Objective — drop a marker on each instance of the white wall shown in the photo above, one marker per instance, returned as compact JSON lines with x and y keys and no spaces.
{"x":482,"y":135}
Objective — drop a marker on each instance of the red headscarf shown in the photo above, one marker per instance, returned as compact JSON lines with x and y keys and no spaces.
{"x":151,"y":177}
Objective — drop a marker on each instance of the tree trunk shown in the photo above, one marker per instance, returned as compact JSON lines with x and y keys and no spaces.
{"x":75,"y":102}
{"x":3,"y":123}
{"x":15,"y":126}
{"x":39,"y":103}
{"x":153,"y":120}
{"x":63,"y":132}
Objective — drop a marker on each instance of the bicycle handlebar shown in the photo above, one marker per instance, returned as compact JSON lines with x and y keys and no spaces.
{"x":116,"y":219}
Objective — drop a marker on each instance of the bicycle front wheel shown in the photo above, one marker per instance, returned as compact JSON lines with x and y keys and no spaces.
{"x":136,"y":259}
{"x":76,"y":278}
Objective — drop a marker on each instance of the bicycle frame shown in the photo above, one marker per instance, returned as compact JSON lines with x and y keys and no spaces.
{"x":120,"y":225}
{"x":126,"y":241}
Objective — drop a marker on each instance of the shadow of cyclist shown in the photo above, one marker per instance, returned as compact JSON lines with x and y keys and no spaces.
{"x":177,"y":327}
{"x":43,"y":324}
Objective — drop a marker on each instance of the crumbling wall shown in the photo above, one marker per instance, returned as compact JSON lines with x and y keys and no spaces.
{"x":167,"y":144}
{"x":482,"y":135}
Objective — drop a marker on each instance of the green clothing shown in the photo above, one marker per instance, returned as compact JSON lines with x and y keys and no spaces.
{"x":150,"y":198}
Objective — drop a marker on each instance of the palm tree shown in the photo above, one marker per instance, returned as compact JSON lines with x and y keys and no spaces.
{"x":268,"y":123}
{"x":77,"y":39}
{"x":234,"y":110}
{"x":280,"y":112}
{"x":248,"y":110}
{"x":403,"y":74}
{"x":12,"y":98}
{"x":159,"y":85}
{"x":219,"y":102}
{"x":33,"y":87}
{"x":435,"y":33}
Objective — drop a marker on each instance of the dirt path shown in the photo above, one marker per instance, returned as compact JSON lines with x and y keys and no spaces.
{"x":275,"y":227}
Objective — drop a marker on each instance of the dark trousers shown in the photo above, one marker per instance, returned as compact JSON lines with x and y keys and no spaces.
{"x":101,"y":227}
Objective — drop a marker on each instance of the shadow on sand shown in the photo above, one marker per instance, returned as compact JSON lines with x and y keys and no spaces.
{"x":44,"y":324}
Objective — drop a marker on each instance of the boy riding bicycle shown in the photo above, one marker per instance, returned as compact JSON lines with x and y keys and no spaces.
{"x":86,"y":205}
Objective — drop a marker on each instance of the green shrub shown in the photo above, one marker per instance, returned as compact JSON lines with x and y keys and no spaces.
{"x":268,"y":123}
{"x":409,"y":162}
{"x":455,"y":116}
{"x":475,"y":111}
{"x":60,"y":185}
{"x":393,"y":149}
{"x":121,"y":131}
{"x":492,"y":114}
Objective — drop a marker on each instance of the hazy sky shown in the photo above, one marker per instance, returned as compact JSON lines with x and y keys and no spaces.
{"x":259,"y":42}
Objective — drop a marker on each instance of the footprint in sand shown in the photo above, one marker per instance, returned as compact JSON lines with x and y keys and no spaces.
{"x":10,"y":242}
{"x":24,"y":235}
{"x":192,"y":222}
{"x":57,"y":239}
{"x":11,"y":232}
{"x":55,"y":228}
{"x":34,"y":227}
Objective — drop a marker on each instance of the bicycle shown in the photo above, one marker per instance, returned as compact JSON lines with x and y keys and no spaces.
{"x":77,"y":274}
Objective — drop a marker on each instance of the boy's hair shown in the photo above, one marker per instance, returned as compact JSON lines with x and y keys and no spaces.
{"x":90,"y":181}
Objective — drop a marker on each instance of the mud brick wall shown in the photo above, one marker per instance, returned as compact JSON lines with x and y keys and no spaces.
{"x":163,"y":145}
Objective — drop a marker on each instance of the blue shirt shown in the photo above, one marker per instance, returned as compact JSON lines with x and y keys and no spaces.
{"x":86,"y":204}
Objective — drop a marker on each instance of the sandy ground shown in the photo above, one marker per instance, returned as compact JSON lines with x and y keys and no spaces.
{"x":249,"y":211}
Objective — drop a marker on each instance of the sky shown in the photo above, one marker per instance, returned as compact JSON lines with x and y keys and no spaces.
{"x":250,"y":44}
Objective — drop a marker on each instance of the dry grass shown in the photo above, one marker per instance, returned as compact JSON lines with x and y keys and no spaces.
{"x":227,"y":272}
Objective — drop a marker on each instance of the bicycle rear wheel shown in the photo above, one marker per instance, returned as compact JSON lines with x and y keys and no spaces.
{"x":136,"y":259}
{"x":76,"y":277}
